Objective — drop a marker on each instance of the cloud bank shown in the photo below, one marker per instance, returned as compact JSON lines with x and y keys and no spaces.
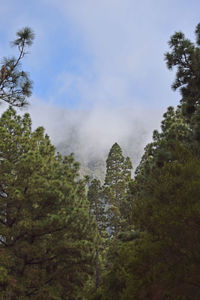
{"x":90,"y":133}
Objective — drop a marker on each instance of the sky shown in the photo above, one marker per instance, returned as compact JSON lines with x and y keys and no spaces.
{"x":98,"y":67}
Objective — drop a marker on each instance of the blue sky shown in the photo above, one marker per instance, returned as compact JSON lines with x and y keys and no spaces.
{"x":105,"y":57}
{"x":108,"y":51}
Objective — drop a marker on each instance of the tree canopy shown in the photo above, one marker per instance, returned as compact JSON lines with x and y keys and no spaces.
{"x":46,"y":241}
{"x":118,"y":176}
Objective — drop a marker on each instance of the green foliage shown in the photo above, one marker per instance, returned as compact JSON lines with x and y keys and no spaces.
{"x":169,"y":212}
{"x":118,"y":176}
{"x":174,"y":129}
{"x":47,"y":236}
{"x":185,"y":56}
{"x":97,"y":211}
{"x":110,"y":207}
{"x":161,"y":262}
{"x":15,"y":85}
{"x":97,"y":205}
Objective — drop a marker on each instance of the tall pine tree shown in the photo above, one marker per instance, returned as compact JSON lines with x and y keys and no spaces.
{"x":46,"y":235}
{"x":118,"y":176}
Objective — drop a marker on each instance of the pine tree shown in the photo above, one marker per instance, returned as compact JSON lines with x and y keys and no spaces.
{"x":174,"y":129}
{"x":168,"y":213}
{"x":118,"y":176}
{"x":15,"y":85}
{"x":185,"y":57}
{"x":46,"y":235}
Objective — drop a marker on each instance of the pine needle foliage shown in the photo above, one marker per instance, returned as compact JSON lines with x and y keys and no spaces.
{"x":46,"y":235}
{"x":15,"y":84}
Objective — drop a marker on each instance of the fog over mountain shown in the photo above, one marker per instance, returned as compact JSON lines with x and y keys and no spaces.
{"x":90,"y":133}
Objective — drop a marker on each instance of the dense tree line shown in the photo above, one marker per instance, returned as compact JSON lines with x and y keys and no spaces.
{"x":123,"y":239}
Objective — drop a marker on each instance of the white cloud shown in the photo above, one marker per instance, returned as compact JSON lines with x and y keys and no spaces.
{"x":126,"y":41}
{"x":90,"y":133}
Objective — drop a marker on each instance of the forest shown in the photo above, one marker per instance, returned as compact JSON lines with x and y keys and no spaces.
{"x":66,"y":236}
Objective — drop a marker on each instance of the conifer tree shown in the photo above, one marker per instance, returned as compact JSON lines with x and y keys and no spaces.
{"x":15,"y":85}
{"x":168,"y":214}
{"x":174,"y":129}
{"x":46,"y":235}
{"x":118,"y":176}
{"x":185,"y":57}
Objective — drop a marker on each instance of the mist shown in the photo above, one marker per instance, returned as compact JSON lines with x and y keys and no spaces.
{"x":90,"y":133}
